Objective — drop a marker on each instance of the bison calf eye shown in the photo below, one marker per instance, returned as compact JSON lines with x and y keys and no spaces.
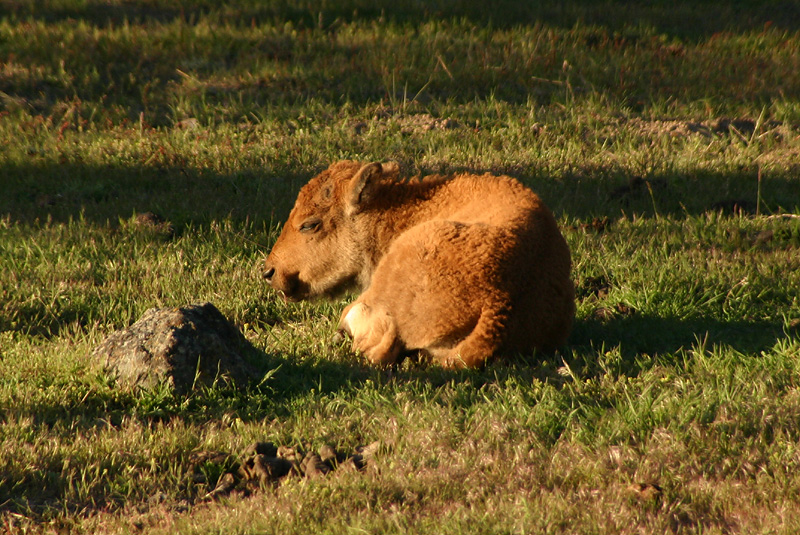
{"x":311,"y":225}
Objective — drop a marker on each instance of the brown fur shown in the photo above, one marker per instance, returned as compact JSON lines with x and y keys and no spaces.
{"x":464,"y":267}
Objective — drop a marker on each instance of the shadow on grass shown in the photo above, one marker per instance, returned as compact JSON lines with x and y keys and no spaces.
{"x":679,"y":18}
{"x":639,"y":336}
{"x":185,"y":195}
{"x":354,"y":73}
{"x":642,"y":342}
{"x":182,"y":195}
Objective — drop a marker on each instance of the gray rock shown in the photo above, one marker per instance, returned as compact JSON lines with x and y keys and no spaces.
{"x":181,"y":347}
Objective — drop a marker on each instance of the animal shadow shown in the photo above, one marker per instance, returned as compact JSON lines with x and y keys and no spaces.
{"x":642,"y":339}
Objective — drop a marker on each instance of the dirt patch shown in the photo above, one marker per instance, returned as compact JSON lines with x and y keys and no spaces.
{"x":740,"y":128}
{"x":424,"y":122}
{"x":670,"y":128}
{"x":409,"y":123}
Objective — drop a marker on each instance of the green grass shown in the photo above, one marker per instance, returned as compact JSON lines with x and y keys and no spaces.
{"x":642,"y":125}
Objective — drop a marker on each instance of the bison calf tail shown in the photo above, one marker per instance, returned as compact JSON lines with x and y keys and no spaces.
{"x":481,"y":344}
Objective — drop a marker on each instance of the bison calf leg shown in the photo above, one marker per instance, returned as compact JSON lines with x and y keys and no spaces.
{"x":374,"y":332}
{"x":479,"y":345}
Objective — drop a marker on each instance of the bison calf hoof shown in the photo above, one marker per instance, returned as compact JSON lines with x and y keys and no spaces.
{"x":374,"y":333}
{"x":339,"y":336}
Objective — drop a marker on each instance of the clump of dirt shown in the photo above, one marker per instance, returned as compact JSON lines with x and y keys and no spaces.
{"x":620,"y":310}
{"x":645,"y":492}
{"x":263,"y":464}
{"x":425,"y":122}
{"x":793,"y":326}
{"x":597,"y":225}
{"x":593,"y":287}
{"x":188,"y":124}
{"x":152,"y":222}
{"x":596,"y":289}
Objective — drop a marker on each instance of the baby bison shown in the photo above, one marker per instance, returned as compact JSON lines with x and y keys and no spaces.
{"x":462,"y":268}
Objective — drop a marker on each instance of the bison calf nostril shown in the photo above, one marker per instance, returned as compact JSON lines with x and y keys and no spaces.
{"x":268,"y":274}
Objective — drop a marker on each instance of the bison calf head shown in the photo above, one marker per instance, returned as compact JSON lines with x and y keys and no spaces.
{"x":322,"y":248}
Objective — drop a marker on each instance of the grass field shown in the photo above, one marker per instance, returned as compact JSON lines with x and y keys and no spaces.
{"x":664,"y":135}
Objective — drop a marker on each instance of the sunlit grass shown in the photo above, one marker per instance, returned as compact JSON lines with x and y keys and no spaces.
{"x":663,"y":135}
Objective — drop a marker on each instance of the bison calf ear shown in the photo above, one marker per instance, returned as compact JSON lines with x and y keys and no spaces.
{"x":362,"y":185}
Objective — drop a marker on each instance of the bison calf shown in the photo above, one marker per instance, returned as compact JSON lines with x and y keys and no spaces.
{"x":462,"y":268}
